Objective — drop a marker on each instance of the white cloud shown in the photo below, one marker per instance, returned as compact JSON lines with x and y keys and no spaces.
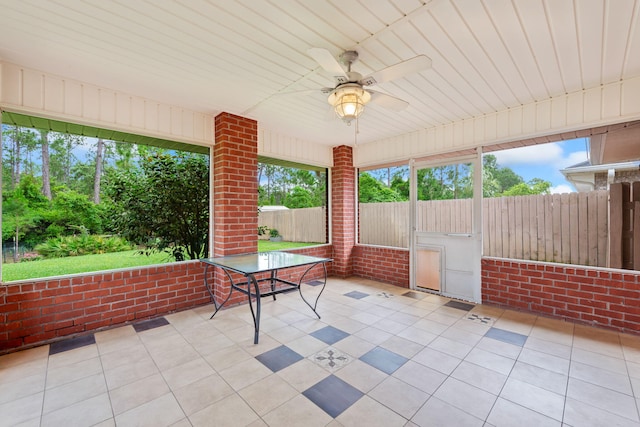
{"x":560,"y":189}
{"x":533,"y":154}
{"x":572,"y":159}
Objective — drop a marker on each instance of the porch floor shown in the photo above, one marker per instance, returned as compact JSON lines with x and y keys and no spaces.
{"x":380,"y":356}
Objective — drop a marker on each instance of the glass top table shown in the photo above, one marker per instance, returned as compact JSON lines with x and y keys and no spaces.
{"x":265,"y":265}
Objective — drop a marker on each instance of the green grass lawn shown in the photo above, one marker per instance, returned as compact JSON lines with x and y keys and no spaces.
{"x":110,"y":261}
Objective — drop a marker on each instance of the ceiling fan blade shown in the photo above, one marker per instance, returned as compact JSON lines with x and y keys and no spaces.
{"x":399,"y":70}
{"x":327,"y":61}
{"x":388,"y":101}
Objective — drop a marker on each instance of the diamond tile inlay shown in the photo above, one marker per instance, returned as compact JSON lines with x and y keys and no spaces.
{"x":331,"y":359}
{"x":333,"y":395}
{"x":480,"y":319}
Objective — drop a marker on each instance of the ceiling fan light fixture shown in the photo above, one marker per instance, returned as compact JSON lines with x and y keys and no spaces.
{"x":348,"y":101}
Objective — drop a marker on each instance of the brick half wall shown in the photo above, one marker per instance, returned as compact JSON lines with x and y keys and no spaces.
{"x":389,"y":265}
{"x":44,"y":310}
{"x":593,"y":296}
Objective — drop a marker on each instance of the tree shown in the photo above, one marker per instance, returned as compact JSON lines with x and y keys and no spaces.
{"x":98,"y":174}
{"x":535,"y":186}
{"x":46,"y":177}
{"x":165,"y":206}
{"x":371,"y":190}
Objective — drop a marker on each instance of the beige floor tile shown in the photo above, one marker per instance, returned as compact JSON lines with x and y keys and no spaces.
{"x":419,"y":376}
{"x":244,"y":373}
{"x":545,"y":361}
{"x":21,"y":410}
{"x":73,"y":392}
{"x":298,"y":411}
{"x":119,"y":333}
{"x":553,"y":330}
{"x":373,"y":335}
{"x":535,"y":398}
{"x":489,"y":360}
{"x":126,"y":374}
{"x":417,"y":335}
{"x":137,"y":393}
{"x":306,"y":345}
{"x":483,"y":378}
{"x":469,"y":325}
{"x":230,"y":411}
{"x":399,"y":396}
{"x":21,"y":370}
{"x":268,"y":393}
{"x":581,"y":414}
{"x":437,"y":360}
{"x":286,"y":334}
{"x":85,"y":413}
{"x":22,"y":387}
{"x":540,"y":377}
{"x":436,"y":413}
{"x":466,"y":397}
{"x":599,"y":360}
{"x":124,"y":356}
{"x":69,"y":373}
{"x":508,"y":414}
{"x":202,"y":393}
{"x":601,"y":377}
{"x":390,"y":326}
{"x":71,"y":357}
{"x":404,"y":318}
{"x":226,"y":357}
{"x":370,"y":413}
{"x":603,"y":398}
{"x":402,"y":346}
{"x":186,"y":373}
{"x":265,"y":344}
{"x":173,"y":355}
{"x":450,"y":347}
{"x":549,"y":347}
{"x":162,"y":411}
{"x":25,"y":356}
{"x":462,"y":336}
{"x":361,"y":375}
{"x":303,"y":374}
{"x":498,"y":347}
{"x":430,"y":326}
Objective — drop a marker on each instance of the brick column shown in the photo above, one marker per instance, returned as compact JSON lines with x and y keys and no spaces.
{"x":235,"y":190}
{"x":343,"y":202}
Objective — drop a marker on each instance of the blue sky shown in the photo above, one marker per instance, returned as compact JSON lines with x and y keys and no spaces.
{"x":545,"y":161}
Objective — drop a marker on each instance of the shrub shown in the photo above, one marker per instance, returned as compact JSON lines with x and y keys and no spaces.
{"x":84,"y":244}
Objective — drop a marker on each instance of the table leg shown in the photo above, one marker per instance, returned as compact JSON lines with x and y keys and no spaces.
{"x":315,"y":304}
{"x":256,"y":316}
{"x":211,"y":290}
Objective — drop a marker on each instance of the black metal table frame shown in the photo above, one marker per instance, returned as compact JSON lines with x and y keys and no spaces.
{"x":245,"y":288}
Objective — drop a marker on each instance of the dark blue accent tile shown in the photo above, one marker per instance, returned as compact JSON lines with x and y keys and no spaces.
{"x":145,"y":325}
{"x":460,"y":305}
{"x":71,"y":343}
{"x":356,"y":294}
{"x":414,"y":295}
{"x":329,"y":334}
{"x":315,"y":283}
{"x":506,"y":336}
{"x":333,"y":395}
{"x":383,"y":359}
{"x":279,"y":358}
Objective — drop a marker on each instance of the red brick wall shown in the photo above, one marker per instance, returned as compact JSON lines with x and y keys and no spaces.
{"x":235,"y":197}
{"x":588,"y":295}
{"x":343,"y":202}
{"x":43,"y":310}
{"x":389,"y":265}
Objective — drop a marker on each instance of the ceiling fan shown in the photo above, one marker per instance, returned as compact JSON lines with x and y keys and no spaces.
{"x":349,"y":96}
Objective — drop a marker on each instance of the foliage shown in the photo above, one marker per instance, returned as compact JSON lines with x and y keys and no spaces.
{"x":83,"y":244}
{"x":291,"y":187}
{"x":535,"y":186}
{"x":262,"y":230}
{"x":165,"y":206}
{"x":274,"y":233}
{"x":371,"y":190}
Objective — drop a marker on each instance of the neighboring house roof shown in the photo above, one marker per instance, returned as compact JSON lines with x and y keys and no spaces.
{"x":582,"y":175}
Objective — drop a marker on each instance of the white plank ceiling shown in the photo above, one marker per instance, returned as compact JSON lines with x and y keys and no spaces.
{"x":241,"y":56}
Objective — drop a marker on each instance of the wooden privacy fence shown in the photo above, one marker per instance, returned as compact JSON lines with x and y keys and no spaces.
{"x":568,"y":228}
{"x":297,"y":225}
{"x":625,"y":225}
